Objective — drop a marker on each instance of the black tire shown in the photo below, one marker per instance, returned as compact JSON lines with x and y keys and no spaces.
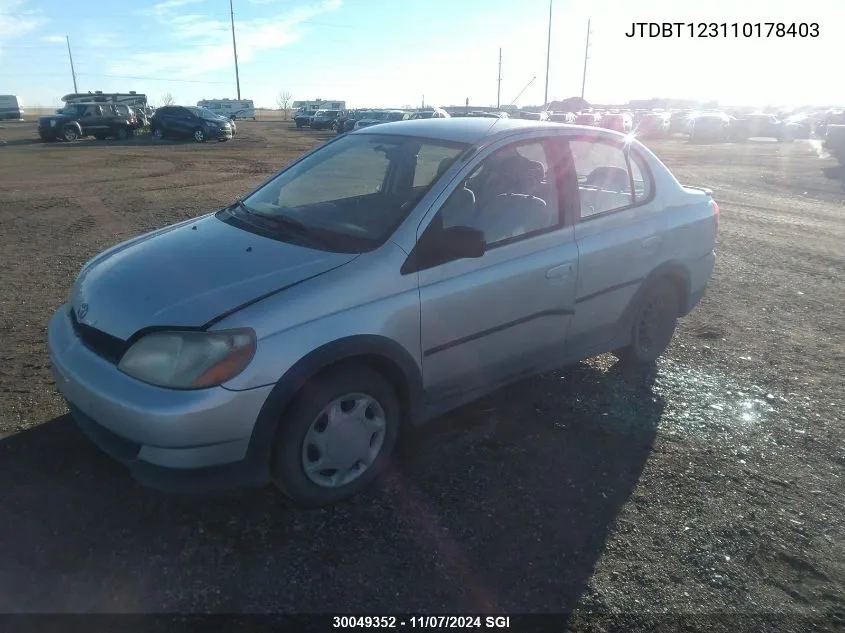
{"x":287,"y":470}
{"x":199,"y":135}
{"x":298,"y":125}
{"x":121,"y":134}
{"x":70,"y":133}
{"x":157,"y":133}
{"x":653,"y":325}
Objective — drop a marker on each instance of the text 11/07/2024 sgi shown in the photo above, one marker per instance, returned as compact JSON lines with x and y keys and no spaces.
{"x":723,"y":29}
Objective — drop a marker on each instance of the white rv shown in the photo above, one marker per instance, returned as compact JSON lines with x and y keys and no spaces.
{"x":230,"y":108}
{"x":319,"y":104}
{"x":11,"y":108}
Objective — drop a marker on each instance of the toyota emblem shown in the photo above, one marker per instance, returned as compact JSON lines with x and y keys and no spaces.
{"x":81,"y":311}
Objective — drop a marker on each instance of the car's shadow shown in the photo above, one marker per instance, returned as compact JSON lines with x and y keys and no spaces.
{"x":502,"y":506}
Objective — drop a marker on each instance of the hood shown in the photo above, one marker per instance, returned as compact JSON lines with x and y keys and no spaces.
{"x":188,"y":274}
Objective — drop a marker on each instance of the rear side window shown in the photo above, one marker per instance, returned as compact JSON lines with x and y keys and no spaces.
{"x":605,"y":176}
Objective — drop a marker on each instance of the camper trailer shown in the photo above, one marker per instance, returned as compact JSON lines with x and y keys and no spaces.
{"x":230,"y":108}
{"x":11,"y":108}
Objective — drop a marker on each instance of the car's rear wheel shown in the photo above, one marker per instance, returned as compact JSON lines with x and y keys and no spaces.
{"x":70,"y":133}
{"x":655,"y":318}
{"x":157,"y":133}
{"x":199,"y":135}
{"x":336,"y":437}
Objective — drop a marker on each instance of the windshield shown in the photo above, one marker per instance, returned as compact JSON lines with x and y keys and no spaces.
{"x":356,"y":190}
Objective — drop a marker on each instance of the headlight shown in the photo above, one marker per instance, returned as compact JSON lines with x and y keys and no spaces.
{"x":52,"y":122}
{"x":189,"y":360}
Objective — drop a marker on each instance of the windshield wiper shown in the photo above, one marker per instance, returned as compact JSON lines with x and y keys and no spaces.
{"x":279,"y":220}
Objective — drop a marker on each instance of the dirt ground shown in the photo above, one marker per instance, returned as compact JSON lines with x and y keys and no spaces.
{"x":711,"y":486}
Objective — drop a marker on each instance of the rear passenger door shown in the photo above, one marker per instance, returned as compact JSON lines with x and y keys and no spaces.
{"x":619,"y":234}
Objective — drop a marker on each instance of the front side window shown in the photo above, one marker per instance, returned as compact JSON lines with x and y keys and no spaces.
{"x":510,"y":195}
{"x":355,"y":190}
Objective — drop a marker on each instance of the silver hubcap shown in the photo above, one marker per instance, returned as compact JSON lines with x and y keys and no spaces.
{"x":344,"y":440}
{"x":199,"y":135}
{"x":70,"y":135}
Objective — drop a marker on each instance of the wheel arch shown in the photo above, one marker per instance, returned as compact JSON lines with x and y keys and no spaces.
{"x":383,"y":355}
{"x":673,"y":271}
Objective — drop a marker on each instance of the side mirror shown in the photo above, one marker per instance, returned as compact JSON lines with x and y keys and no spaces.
{"x":438,"y":246}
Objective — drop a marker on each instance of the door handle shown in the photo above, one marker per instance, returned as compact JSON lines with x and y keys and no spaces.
{"x":652,"y":242}
{"x":559,"y":272}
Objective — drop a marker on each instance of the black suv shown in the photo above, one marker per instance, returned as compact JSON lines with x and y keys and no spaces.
{"x":78,"y":120}
{"x":190,"y":122}
{"x":303,"y":117}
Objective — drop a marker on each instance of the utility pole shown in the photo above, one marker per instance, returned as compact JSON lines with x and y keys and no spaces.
{"x":499,"y":88}
{"x":72,"y":71}
{"x":235,"y":49}
{"x":586,"y":53}
{"x":548,"y":57}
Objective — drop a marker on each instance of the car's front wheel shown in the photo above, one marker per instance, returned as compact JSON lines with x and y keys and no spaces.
{"x":199,"y":135}
{"x":70,"y":133}
{"x":336,"y":437}
{"x":655,"y":318}
{"x":158,"y":133}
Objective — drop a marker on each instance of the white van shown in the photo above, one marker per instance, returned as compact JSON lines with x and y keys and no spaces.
{"x":11,"y":108}
{"x":231,"y":108}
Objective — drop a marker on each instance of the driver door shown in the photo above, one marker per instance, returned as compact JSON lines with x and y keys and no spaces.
{"x":487,"y":320}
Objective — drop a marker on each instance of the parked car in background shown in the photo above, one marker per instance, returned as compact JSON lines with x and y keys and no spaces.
{"x":375,"y":117}
{"x":430,"y":113}
{"x":834,"y":141}
{"x":324,"y":119}
{"x":588,"y":118}
{"x":710,"y":127}
{"x":562,"y":117}
{"x":100,"y":120}
{"x":190,"y":122}
{"x":11,"y":108}
{"x":618,"y":122}
{"x":760,"y":126}
{"x":303,"y":117}
{"x":256,"y":364}
{"x":542,"y":115}
{"x":800,"y":126}
{"x":346,"y":123}
{"x":679,"y":122}
{"x":654,"y":125}
{"x":124,"y":111}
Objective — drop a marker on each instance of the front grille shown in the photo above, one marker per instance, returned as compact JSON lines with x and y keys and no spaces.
{"x":105,"y":345}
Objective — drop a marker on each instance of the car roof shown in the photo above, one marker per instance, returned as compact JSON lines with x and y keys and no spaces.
{"x":469,"y":130}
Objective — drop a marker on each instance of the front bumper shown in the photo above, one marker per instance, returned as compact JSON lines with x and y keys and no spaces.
{"x":220,"y":133}
{"x":169,"y":439}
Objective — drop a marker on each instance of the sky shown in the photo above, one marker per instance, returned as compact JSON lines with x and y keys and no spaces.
{"x":395,"y":53}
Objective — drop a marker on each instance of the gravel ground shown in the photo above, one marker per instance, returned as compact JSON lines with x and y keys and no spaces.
{"x":711,"y":485}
